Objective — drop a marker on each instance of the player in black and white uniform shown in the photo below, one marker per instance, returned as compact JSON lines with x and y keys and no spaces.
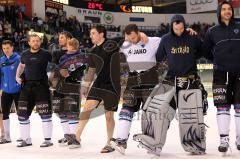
{"x":71,"y":67}
{"x":35,"y":91}
{"x":55,"y":79}
{"x":143,"y":77}
{"x":221,"y":45}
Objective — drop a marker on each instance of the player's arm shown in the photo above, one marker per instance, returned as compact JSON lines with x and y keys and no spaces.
{"x":161,"y":52}
{"x":161,"y":58}
{"x":63,"y":71}
{"x":207,"y":46}
{"x":198,"y":52}
{"x":53,"y":66}
{"x":144,"y":37}
{"x":89,"y":76}
{"x":19,"y":72}
{"x":88,"y":79}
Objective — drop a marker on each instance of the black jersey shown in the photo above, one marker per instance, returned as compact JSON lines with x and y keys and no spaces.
{"x":36,"y":64}
{"x":57,"y":55}
{"x":107,"y":64}
{"x":221,"y":44}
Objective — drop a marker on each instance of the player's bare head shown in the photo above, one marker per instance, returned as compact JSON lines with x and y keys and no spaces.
{"x":63,"y":38}
{"x":132,"y":33}
{"x":98,"y":33}
{"x":7,"y":47}
{"x":72,"y":44}
{"x":34,"y":41}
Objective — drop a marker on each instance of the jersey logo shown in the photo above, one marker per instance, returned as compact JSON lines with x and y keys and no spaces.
{"x":33,"y":58}
{"x":180,"y":50}
{"x":4,"y":64}
{"x":137,"y":51}
{"x":130,"y":52}
{"x":236,"y":31}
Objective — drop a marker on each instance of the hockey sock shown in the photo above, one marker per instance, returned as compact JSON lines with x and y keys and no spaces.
{"x":237,"y":122}
{"x":24,"y":128}
{"x":73,"y":126}
{"x":125,"y":122}
{"x":65,"y":126}
{"x":6,"y":124}
{"x":223,"y":121}
{"x":47,"y":127}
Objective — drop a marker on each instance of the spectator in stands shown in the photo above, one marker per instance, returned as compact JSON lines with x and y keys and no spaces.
{"x":35,"y":18}
{"x":2,"y":10}
{"x":23,"y":9}
{"x":1,"y":26}
{"x":7,"y":29}
{"x":19,"y":22}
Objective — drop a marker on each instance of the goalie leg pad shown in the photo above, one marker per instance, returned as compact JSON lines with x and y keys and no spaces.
{"x":191,"y":121}
{"x":156,"y":118}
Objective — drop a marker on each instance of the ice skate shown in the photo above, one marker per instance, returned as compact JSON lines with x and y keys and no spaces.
{"x":224,"y":145}
{"x":119,"y":145}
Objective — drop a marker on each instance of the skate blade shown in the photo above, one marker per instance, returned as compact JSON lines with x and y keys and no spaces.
{"x":197,"y":153}
{"x":5,"y":142}
{"x":71,"y":147}
{"x":19,"y":145}
{"x":121,"y":150}
{"x":225,"y":154}
{"x":63,"y":145}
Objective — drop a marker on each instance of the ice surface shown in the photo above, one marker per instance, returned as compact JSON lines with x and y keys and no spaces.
{"x":94,"y":138}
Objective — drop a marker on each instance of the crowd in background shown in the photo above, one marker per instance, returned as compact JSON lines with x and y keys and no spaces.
{"x":14,"y":25}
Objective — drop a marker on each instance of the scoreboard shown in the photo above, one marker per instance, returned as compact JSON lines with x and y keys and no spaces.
{"x":92,"y":5}
{"x":111,"y":7}
{"x":127,"y":8}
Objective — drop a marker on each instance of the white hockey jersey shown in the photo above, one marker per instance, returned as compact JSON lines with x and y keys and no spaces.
{"x":140,"y":56}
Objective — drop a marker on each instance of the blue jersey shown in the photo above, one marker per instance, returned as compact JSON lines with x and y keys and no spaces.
{"x":8,"y":69}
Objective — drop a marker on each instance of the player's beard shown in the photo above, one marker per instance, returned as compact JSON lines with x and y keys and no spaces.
{"x":35,"y":48}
